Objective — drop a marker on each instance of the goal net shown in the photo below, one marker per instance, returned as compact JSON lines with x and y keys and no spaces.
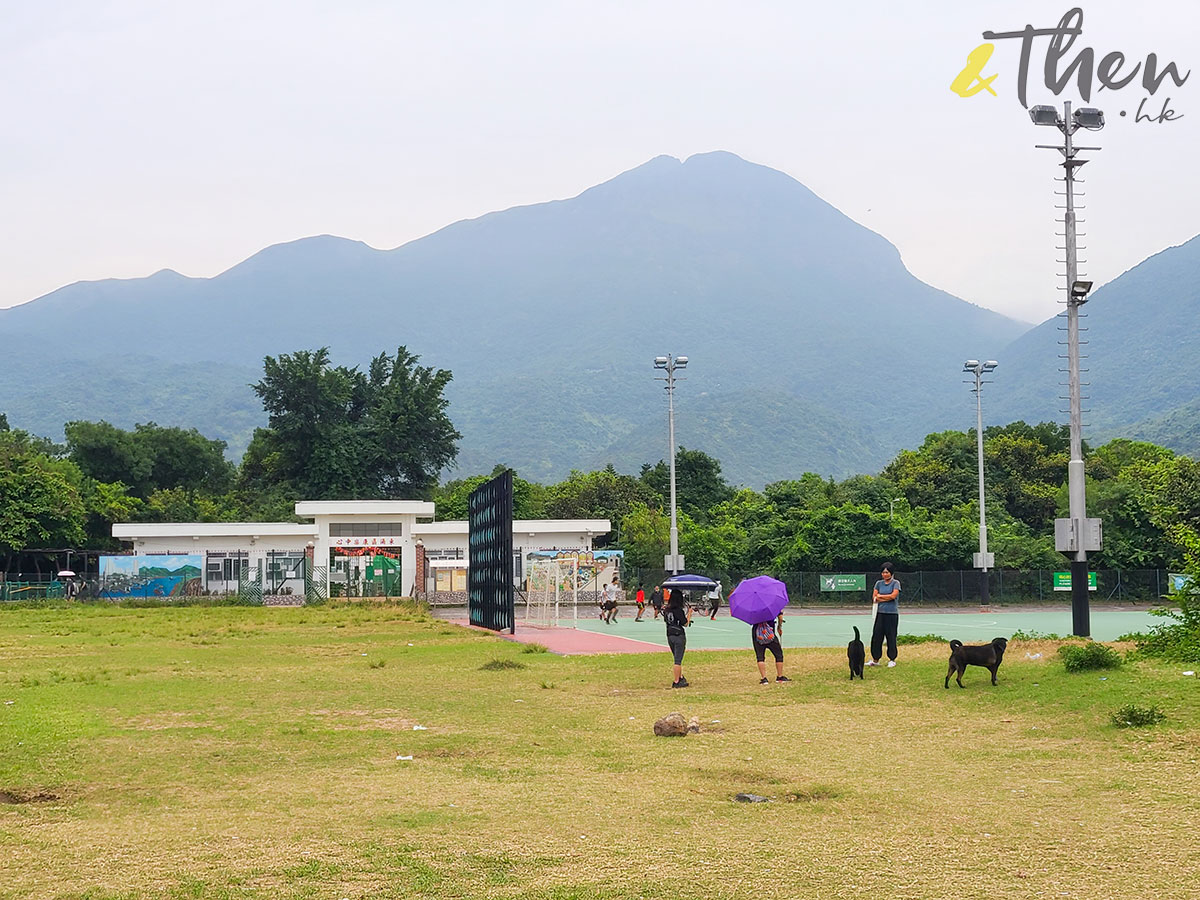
{"x":553,"y":592}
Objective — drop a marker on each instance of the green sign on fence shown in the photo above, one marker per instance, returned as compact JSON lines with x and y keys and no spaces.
{"x":1062,"y":581}
{"x":843,"y":582}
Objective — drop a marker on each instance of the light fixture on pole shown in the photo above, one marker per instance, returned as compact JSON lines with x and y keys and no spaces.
{"x":1076,"y":534}
{"x":673,"y":562}
{"x":892,"y":506}
{"x":983,"y":559}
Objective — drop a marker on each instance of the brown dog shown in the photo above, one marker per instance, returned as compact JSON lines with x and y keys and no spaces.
{"x":987,"y":656}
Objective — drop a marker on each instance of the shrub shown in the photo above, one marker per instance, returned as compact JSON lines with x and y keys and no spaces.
{"x":498,"y":665}
{"x":1089,"y":656}
{"x":1020,"y":635}
{"x":1132,"y":716}
{"x":920,"y":639}
{"x":1178,"y":639}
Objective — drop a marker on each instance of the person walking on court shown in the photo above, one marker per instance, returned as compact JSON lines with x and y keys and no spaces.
{"x":656,"y":600}
{"x":765,"y":636}
{"x":677,"y":617}
{"x":886,"y":597}
{"x":640,"y":598}
{"x":611,"y":592}
{"x":714,"y":601}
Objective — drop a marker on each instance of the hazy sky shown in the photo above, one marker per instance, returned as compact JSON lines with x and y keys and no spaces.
{"x":141,"y":135}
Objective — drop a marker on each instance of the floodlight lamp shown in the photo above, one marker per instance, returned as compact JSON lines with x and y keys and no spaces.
{"x":1044,"y":115}
{"x":1080,"y":289}
{"x":1090,"y":118}
{"x":970,"y":364}
{"x":660,"y":362}
{"x":681,"y":361}
{"x":990,"y":364}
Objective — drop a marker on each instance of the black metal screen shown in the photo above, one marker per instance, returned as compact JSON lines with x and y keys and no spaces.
{"x":490,"y":579}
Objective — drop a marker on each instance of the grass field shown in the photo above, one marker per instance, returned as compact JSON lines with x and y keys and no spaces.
{"x":251,"y":753}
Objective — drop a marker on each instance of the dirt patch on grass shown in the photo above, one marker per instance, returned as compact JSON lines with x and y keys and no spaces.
{"x":166,"y":721}
{"x":14,"y":796}
{"x":364,"y":720}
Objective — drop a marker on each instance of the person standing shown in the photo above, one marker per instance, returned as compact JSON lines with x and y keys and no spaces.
{"x":765,"y":636}
{"x":640,"y":598}
{"x":886,"y":598}
{"x":677,"y":618}
{"x":656,"y":600}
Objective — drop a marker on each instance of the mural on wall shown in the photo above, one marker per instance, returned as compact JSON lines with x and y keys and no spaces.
{"x":150,"y":576}
{"x":596,"y":567}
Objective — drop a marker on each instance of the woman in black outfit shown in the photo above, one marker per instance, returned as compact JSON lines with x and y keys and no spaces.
{"x":677,"y":618}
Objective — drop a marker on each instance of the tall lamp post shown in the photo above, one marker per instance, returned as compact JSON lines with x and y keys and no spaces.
{"x":983,"y":559}
{"x":1077,"y":534}
{"x":674,"y":562}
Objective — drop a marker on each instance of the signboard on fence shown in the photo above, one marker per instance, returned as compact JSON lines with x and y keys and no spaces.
{"x":843,"y":582}
{"x":1062,"y":581}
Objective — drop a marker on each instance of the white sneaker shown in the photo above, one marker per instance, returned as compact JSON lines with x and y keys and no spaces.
{"x":891,"y":664}
{"x":871,"y":662}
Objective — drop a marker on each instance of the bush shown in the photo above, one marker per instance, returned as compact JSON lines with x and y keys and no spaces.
{"x":1179,"y":639}
{"x":498,"y":665}
{"x":1089,"y":656}
{"x":1020,"y":635}
{"x":1132,"y":716}
{"x":920,"y":639}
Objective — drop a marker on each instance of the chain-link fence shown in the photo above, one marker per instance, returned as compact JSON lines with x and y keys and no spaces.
{"x":954,"y":588}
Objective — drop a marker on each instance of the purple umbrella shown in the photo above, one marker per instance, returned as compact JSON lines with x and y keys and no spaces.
{"x":758,"y":599}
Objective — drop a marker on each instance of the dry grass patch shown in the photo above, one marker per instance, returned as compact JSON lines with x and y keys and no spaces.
{"x":262,"y":767}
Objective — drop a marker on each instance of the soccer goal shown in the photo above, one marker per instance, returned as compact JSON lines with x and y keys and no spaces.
{"x":553,"y":594}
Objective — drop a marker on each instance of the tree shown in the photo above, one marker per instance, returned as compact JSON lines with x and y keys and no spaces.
{"x":699,"y":485}
{"x":598,"y":495}
{"x":149,"y":458}
{"x":338,"y":433}
{"x":40,"y":503}
{"x":528,"y":496}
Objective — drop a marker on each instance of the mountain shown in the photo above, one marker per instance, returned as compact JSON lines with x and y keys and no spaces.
{"x":1142,"y":358}
{"x":811,"y":346}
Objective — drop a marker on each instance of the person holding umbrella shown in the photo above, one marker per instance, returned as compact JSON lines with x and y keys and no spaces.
{"x":759,"y":602}
{"x":678,"y":618}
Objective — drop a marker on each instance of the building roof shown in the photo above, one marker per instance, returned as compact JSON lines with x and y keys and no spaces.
{"x":523,"y":526}
{"x":134,"y":530}
{"x":364,"y":507}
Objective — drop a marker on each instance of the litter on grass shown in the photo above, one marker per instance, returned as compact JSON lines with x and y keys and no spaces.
{"x":420,"y":728}
{"x":406,"y":758}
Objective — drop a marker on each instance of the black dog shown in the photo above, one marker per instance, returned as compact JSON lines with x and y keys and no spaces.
{"x":857,"y":654}
{"x":987,"y":656}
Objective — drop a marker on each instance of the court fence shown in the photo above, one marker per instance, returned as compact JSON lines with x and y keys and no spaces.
{"x":953,"y":588}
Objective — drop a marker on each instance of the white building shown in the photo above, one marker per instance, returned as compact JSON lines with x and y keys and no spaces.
{"x":352,"y":543}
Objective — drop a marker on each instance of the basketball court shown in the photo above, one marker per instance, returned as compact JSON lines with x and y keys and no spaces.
{"x":814,"y":628}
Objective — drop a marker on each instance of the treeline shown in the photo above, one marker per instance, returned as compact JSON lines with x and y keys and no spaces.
{"x":335,"y":432}
{"x":921,"y":510}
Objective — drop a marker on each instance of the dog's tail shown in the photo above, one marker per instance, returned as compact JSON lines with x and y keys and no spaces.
{"x":857,"y":637}
{"x":954,"y":645}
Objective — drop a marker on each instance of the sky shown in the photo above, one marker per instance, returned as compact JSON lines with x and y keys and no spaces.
{"x":143,"y":135}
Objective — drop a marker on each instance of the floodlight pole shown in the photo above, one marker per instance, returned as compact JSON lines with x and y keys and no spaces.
{"x":982,"y":560}
{"x":668,"y":364}
{"x":1079,"y":529}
